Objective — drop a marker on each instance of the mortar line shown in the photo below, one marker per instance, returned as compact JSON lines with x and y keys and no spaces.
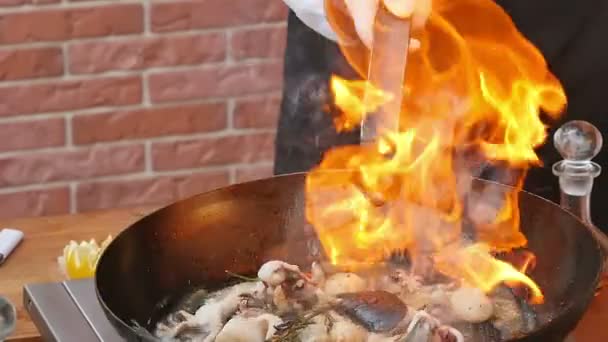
{"x":149,"y":167}
{"x":231,"y":104}
{"x":66,"y":61}
{"x":69,"y":136}
{"x":229,"y":53}
{"x":105,"y":109}
{"x":136,"y":35}
{"x":136,"y":72}
{"x":145,"y":79}
{"x":132,"y":177}
{"x":25,"y":8}
{"x":73,"y":198}
{"x":176,"y":138}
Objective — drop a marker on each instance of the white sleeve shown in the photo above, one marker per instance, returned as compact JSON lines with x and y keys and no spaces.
{"x":312,"y":13}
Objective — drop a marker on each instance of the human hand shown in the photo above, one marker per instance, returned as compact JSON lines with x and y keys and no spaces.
{"x":363,"y":12}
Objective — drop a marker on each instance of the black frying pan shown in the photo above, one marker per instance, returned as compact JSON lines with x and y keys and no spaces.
{"x":190,"y":244}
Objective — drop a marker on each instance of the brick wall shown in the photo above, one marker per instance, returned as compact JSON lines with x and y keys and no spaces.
{"x":113,"y":103}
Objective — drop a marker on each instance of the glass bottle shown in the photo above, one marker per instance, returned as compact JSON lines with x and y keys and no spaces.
{"x":578,"y":142}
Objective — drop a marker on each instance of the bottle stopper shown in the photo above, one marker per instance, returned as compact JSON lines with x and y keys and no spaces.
{"x":578,"y":142}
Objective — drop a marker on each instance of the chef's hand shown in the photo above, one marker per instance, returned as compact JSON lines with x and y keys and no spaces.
{"x":363,"y":12}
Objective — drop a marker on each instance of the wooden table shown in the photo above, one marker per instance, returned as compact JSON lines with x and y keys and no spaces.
{"x":35,"y":261}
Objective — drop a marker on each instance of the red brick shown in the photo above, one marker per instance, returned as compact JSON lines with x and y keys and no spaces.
{"x":134,"y":54}
{"x":24,"y":135}
{"x":7,"y":3}
{"x":216,"y":82}
{"x":249,"y":148}
{"x":250,"y":173}
{"x":146,"y":123}
{"x":70,"y":165}
{"x":259,"y":43}
{"x":53,"y":201}
{"x":38,"y":62}
{"x":194,"y":184}
{"x":13,"y":2}
{"x":68,"y":95}
{"x":63,"y":24}
{"x":257,"y":112}
{"x":194,"y":14}
{"x":159,"y":190}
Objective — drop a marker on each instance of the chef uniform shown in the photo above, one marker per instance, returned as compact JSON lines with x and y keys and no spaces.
{"x":573,"y":37}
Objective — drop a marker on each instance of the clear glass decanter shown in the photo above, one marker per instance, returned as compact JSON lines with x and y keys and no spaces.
{"x":579,"y":142}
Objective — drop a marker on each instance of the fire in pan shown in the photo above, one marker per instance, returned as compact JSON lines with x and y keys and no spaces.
{"x":163,"y":262}
{"x":243,"y":263}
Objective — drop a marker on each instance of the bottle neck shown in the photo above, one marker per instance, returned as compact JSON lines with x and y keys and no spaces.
{"x":577,"y":205}
{"x":575,"y":185}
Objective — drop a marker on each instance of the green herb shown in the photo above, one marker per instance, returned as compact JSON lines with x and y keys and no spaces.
{"x":290,"y":331}
{"x":241,"y":277}
{"x":329,"y":322}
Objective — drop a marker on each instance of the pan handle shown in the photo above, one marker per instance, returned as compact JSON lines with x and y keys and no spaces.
{"x":579,"y":142}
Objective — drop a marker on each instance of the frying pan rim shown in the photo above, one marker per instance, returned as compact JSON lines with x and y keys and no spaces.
{"x":133,"y":330}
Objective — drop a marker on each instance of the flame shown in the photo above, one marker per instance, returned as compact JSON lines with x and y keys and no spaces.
{"x":349,"y":94}
{"x":475,"y":266}
{"x":523,"y":260}
{"x":476,"y":84}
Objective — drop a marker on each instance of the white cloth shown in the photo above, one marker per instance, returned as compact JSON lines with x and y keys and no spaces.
{"x":312,"y":13}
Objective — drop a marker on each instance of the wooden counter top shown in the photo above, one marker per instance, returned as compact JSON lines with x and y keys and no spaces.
{"x":35,"y":261}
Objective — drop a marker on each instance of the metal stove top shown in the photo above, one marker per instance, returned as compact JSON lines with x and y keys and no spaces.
{"x":68,"y":312}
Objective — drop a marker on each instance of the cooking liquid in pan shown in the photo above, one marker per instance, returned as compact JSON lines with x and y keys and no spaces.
{"x":382,"y":303}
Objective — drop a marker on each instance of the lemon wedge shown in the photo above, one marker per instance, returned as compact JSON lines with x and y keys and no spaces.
{"x":79,"y":260}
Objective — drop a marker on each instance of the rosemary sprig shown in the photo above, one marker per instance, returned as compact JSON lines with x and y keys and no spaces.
{"x":290,"y":331}
{"x":329,"y":322}
{"x":241,"y":277}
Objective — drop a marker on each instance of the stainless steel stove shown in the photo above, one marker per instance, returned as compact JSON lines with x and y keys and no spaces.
{"x":68,"y":311}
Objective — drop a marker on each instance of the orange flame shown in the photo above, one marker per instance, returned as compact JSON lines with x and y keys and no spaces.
{"x":475,"y":266}
{"x":475,"y":84}
{"x":349,"y":94}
